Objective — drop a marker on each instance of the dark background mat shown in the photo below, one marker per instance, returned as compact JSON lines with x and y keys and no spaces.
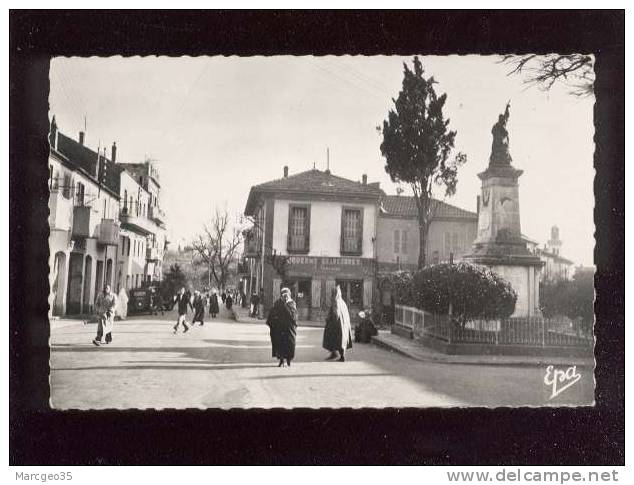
{"x":569,"y":436}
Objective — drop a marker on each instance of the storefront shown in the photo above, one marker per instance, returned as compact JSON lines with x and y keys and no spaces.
{"x":312,"y":279}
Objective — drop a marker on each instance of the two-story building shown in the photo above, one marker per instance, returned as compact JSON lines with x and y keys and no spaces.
{"x":313,"y":231}
{"x":451,"y":233}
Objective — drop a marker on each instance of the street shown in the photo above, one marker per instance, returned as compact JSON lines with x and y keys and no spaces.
{"x":226,"y":364}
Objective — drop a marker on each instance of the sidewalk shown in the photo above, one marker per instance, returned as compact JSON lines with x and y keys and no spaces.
{"x":415,"y":350}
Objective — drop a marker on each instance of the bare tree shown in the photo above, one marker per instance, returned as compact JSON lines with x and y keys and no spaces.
{"x":576,"y":70}
{"x":217,"y":245}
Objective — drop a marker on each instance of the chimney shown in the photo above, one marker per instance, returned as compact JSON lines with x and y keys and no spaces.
{"x":478,"y":205}
{"x":364,"y":179}
{"x":81,"y":137}
{"x":285,"y":171}
{"x":113,"y":154}
{"x":53,"y":135}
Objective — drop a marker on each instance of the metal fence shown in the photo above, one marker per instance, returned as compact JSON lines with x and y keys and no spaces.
{"x":530,"y":332}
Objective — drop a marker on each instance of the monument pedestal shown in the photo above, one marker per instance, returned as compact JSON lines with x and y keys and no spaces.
{"x":499,"y":245}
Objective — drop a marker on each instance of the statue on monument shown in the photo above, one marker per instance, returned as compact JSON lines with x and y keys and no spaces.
{"x":500,"y":155}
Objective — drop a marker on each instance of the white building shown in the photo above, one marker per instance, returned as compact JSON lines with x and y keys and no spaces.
{"x":105,"y":226}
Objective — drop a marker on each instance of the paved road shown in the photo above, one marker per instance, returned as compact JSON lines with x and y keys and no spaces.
{"x":227,"y":364}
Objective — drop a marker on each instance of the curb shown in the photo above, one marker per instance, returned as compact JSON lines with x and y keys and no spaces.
{"x":450,"y":359}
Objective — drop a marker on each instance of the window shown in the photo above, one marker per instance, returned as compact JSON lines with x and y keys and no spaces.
{"x":397,"y":243}
{"x":435,"y":259}
{"x":404,"y":242}
{"x":298,"y":229}
{"x":66,"y":187}
{"x":125,"y":200}
{"x":128,"y":246}
{"x":351,"y":231}
{"x":351,"y":291}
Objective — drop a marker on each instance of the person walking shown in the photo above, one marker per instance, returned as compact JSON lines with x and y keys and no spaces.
{"x":337,"y":333}
{"x":214,"y":306}
{"x":105,"y":308}
{"x":223,"y":295}
{"x":282,"y":322}
{"x":254,"y":304}
{"x":182,"y":302}
{"x":229,"y":301}
{"x":199,"y":308}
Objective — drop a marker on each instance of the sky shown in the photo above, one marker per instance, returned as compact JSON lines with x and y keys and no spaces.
{"x":218,"y":125}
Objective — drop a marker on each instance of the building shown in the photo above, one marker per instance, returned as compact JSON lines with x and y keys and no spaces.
{"x":315,"y":230}
{"x":83,"y":220}
{"x":101,"y":230}
{"x":312,"y":231}
{"x":556,"y":267}
{"x":451,"y":233}
{"x":143,"y":234}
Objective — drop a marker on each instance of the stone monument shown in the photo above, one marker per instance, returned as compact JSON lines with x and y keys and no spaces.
{"x":498,"y":244}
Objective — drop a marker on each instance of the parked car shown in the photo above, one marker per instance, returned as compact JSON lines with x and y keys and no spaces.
{"x":141,"y":300}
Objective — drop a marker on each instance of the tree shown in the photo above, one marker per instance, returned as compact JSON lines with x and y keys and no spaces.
{"x":417,"y":143}
{"x":173,"y":280}
{"x":217,"y":246}
{"x":543,"y":71}
{"x":465,"y":291}
{"x":573,"y":299}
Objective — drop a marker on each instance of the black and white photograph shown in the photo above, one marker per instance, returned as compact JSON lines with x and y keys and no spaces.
{"x":312,"y":232}
{"x":354,"y":231}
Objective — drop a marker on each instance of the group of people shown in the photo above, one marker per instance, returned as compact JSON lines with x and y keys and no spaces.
{"x":282,"y":322}
{"x":198,"y":302}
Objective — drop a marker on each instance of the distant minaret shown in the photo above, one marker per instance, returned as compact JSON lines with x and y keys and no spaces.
{"x":554,"y":243}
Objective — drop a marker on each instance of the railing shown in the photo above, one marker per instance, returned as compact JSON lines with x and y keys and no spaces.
{"x":529,"y":332}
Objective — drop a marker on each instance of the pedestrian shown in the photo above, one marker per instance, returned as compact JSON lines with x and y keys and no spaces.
{"x":105,"y":308}
{"x":214,"y":307}
{"x":199,"y":308}
{"x":282,"y":322}
{"x":182,"y":302}
{"x":122,"y":304}
{"x":254,"y":304}
{"x":338,"y":333}
{"x":223,"y":296}
{"x":261,"y":303}
{"x":229,"y":301}
{"x":366,"y":329}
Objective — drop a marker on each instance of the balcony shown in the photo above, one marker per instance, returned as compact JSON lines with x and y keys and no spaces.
{"x":85,"y":222}
{"x":157,"y":214}
{"x":135,"y":221}
{"x":61,"y":211}
{"x":108,"y":232}
{"x":152,"y":254}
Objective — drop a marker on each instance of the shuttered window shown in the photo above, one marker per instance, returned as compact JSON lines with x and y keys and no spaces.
{"x":404,"y":242}
{"x":397,"y":241}
{"x":351,"y":231}
{"x":298,"y":229}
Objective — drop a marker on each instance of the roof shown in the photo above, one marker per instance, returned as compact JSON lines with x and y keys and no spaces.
{"x":83,"y":157}
{"x":555,"y":257}
{"x":315,"y":182}
{"x":404,"y":206}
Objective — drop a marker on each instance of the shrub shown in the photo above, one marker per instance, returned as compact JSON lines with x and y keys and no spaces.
{"x":472,"y":291}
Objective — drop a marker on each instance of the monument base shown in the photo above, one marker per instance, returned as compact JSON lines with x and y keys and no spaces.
{"x":522,"y":273}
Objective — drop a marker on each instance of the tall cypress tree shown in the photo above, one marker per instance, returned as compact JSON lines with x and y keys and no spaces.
{"x":417,"y":143}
